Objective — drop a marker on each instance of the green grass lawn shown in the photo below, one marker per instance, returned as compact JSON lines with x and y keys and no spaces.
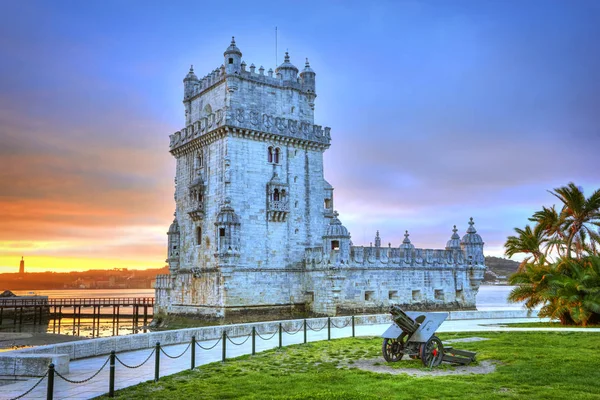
{"x":531,"y":365}
{"x":547,"y":325}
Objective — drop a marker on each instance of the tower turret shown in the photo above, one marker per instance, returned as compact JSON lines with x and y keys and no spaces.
{"x":233,"y":58}
{"x":22,"y":266}
{"x":307,"y":76}
{"x":288,"y":71}
{"x":472,"y":244}
{"x":173,"y":239}
{"x":454,"y":242}
{"x":190,"y":83}
{"x":337,"y":238}
{"x":406,"y":244}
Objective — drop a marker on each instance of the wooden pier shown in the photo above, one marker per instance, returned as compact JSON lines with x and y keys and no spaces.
{"x":19,"y":308}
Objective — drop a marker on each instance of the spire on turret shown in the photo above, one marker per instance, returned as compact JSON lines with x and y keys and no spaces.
{"x":232,"y":49}
{"x":377,"y":240}
{"x":191,"y":76}
{"x":287,"y":70}
{"x":406,"y":244}
{"x":454,"y":242}
{"x":472,"y":244}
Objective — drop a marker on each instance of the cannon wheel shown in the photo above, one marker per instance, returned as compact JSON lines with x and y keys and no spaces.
{"x":432,"y":352}
{"x":393,"y":349}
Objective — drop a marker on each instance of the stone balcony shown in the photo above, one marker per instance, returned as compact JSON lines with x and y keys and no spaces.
{"x":196,"y":213}
{"x":278,"y":210}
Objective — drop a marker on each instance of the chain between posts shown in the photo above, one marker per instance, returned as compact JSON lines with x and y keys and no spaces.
{"x":343,"y":326}
{"x":83,"y":380}
{"x":317,"y":330}
{"x":211,"y":347}
{"x":269,"y":338}
{"x":292,"y":333}
{"x":135,"y":366}
{"x":31,"y":389}
{"x":238,"y":344}
{"x":174,"y":357}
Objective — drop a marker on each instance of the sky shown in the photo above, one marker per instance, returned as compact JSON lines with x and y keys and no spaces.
{"x":440,"y":110}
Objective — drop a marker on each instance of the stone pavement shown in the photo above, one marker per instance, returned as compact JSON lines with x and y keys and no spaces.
{"x":125,"y":377}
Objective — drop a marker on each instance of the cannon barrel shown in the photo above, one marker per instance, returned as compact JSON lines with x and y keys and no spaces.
{"x":404,"y":322}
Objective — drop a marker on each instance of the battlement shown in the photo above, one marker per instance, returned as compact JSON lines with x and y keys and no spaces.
{"x":376,"y":256}
{"x":249,"y":119}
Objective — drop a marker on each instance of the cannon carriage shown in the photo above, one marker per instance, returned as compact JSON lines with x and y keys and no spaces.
{"x":413,"y":335}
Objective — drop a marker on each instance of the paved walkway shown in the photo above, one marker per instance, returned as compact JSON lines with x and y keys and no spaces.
{"x":125,"y":377}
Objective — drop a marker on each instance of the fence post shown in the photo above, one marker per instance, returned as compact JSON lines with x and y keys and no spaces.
{"x":353,"y":326}
{"x":328,"y":328}
{"x":280,"y":335}
{"x":193,"y":352}
{"x":224,"y":338}
{"x":157,"y":362}
{"x":111,"y":379}
{"x":50,"y":391}
{"x":305,"y":330}
{"x":253,"y":340}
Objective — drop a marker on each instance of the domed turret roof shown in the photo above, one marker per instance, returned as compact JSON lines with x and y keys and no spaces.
{"x":471,"y":237}
{"x":335,"y":229}
{"x":287,"y":64}
{"x":454,"y":242}
{"x":232,"y":49}
{"x":406,"y":244}
{"x":191,"y":76}
{"x":307,"y":68}
{"x":227,"y":215}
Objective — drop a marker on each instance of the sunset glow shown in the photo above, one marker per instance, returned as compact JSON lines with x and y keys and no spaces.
{"x":438,"y":112}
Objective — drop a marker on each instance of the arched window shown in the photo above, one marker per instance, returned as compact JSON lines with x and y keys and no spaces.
{"x":277,"y":155}
{"x":327,"y":203}
{"x":283,"y":193}
{"x":276,"y":195}
{"x":270,"y":154}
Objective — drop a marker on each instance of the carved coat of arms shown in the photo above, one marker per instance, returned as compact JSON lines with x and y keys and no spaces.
{"x":280,"y":123}
{"x":239,"y":115}
{"x":267,"y":121}
{"x":293,"y":126}
{"x":254,"y":117}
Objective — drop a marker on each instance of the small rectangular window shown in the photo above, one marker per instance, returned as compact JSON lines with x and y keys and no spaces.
{"x":369,"y":295}
{"x":198,"y":235}
{"x":439,"y":294}
{"x":393,"y":295}
{"x":335,"y":245}
{"x":416,"y":295}
{"x":230,"y":60}
{"x":459,"y":295}
{"x":221,"y":232}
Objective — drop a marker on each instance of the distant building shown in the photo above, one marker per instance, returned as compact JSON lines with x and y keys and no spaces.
{"x":22,"y":266}
{"x":255,"y":233}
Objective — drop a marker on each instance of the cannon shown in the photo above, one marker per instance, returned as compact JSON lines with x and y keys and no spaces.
{"x":413,"y":334}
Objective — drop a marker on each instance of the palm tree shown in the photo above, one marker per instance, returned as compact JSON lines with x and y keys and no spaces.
{"x":578,"y":215}
{"x":529,"y":241}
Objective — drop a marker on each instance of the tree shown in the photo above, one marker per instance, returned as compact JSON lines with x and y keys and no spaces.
{"x":568,"y":287}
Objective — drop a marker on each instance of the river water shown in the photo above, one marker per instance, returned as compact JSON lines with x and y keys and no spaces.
{"x":490,"y":297}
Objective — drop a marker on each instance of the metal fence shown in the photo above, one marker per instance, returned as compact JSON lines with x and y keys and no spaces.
{"x":113,"y":359}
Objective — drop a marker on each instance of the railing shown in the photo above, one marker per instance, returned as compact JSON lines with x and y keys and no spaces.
{"x":113,"y":359}
{"x":115,"y":301}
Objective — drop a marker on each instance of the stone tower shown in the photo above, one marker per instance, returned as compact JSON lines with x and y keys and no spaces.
{"x":255,"y":233}
{"x":250,"y":193}
{"x":22,"y":266}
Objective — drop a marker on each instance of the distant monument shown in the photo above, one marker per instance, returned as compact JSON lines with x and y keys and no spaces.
{"x":22,"y":266}
{"x":255,"y":234}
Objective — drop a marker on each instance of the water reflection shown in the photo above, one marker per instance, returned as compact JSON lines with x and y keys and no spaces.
{"x":104,"y":326}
